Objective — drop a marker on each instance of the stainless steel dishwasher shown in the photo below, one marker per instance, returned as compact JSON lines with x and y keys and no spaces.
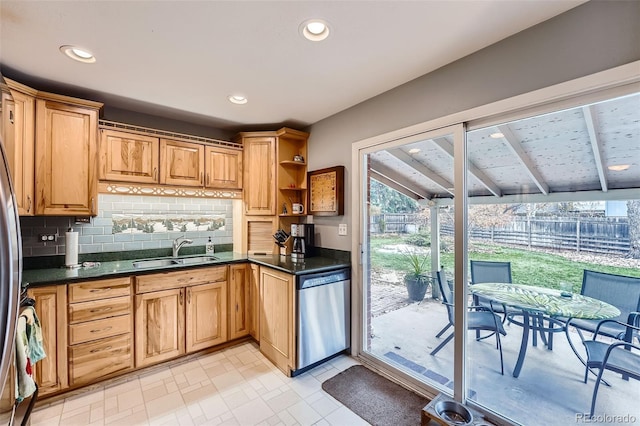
{"x":323,"y":316}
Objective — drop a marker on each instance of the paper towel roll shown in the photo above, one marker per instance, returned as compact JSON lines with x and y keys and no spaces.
{"x":71,"y":248}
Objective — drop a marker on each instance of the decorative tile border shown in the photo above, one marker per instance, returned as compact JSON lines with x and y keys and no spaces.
{"x":154,"y":223}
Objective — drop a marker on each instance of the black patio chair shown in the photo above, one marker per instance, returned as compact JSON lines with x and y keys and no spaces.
{"x":618,"y":356}
{"x":621,"y":291}
{"x":478,"y":318}
{"x":484,"y":271}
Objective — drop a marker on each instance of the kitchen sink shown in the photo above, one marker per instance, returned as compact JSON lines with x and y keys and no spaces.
{"x":196,"y":260}
{"x":158,"y":263}
{"x":155,"y":263}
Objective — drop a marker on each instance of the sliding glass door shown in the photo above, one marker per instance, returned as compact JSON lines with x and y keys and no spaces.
{"x":408,"y":231}
{"x":505,"y":223}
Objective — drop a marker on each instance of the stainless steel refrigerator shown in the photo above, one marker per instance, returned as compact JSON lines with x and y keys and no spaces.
{"x":10,"y":250}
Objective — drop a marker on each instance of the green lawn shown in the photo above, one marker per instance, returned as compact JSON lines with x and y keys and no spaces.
{"x":527,"y":267}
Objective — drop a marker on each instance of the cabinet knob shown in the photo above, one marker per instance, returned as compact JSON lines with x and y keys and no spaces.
{"x":11,"y":117}
{"x":28,"y":203}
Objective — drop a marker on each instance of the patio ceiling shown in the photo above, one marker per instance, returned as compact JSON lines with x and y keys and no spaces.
{"x":561,"y":156}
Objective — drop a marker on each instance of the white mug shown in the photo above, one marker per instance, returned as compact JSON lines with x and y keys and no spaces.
{"x":297,"y":208}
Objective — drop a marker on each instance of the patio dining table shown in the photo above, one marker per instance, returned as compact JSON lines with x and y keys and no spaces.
{"x":539,"y":304}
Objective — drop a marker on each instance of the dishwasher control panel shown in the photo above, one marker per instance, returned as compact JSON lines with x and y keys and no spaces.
{"x":323,"y":278}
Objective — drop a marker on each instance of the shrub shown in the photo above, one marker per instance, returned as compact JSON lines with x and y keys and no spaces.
{"x":420,"y":240}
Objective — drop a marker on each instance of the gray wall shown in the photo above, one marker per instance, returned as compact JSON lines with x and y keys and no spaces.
{"x":593,"y":37}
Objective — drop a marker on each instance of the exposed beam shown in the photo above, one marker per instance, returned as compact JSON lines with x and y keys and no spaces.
{"x":555,"y":197}
{"x":394,"y":185}
{"x":516,"y":147}
{"x":591,"y":122}
{"x":447,"y":148}
{"x":422,"y":169}
{"x":395,"y":180}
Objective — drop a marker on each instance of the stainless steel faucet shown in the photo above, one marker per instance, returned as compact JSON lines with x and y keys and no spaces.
{"x":177,"y":244}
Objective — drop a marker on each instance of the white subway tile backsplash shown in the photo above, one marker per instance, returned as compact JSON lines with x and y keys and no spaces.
{"x":98,"y":236}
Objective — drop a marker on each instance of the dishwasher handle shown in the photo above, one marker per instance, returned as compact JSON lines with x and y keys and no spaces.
{"x":323,"y":278}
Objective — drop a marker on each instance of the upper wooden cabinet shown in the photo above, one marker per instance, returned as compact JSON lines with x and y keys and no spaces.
{"x":19,"y":114}
{"x":259,"y":174}
{"x":275,"y":173}
{"x":66,"y":156}
{"x":181,"y":163}
{"x":128,"y":157}
{"x":224,"y":168}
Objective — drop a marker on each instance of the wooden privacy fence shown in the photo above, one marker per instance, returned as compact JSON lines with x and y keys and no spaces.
{"x":394,"y":223}
{"x":598,"y":235}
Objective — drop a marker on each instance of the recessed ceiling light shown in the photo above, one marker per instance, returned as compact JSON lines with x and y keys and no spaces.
{"x":619,"y":167}
{"x":315,"y":29}
{"x":78,"y":53}
{"x":237,"y":99}
{"x":496,"y":135}
{"x":414,"y":150}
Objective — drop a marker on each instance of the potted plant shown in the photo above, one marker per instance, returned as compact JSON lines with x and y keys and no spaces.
{"x":416,"y":279}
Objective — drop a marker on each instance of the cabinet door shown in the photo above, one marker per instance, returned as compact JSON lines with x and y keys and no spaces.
{"x":277,"y":326}
{"x":224,"y":168}
{"x":257,"y":234}
{"x":206,"y":315}
{"x":127,"y":157}
{"x":259,"y":175}
{"x":181,"y":163}
{"x":19,"y":140}
{"x":239,"y":282}
{"x":51,"y":308}
{"x":254,"y":301}
{"x":159,"y":326}
{"x":66,"y":159}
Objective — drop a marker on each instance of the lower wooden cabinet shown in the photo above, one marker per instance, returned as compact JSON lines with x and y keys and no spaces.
{"x":100,"y":329}
{"x":97,"y":329}
{"x":239,"y":286}
{"x":159,"y":326}
{"x":96,"y":359}
{"x":206,"y":316}
{"x":51,"y":308}
{"x":277,"y":318}
{"x":254,"y":301}
{"x":179,"y":312}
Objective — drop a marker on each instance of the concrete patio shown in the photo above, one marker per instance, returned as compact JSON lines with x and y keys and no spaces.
{"x":549,"y":390}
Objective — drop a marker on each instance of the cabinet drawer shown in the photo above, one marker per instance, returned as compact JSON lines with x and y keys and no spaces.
{"x":169,"y":280}
{"x":98,"y":309}
{"x":94,"y":330}
{"x":93,"y":290}
{"x":90,"y":361}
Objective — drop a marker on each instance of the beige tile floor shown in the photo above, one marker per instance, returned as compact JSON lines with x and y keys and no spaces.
{"x":235,"y":386}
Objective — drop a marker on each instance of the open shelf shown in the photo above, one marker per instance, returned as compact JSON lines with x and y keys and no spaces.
{"x":293,"y":163}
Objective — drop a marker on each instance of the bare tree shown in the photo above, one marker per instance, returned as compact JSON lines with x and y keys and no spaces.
{"x":633,"y":213}
{"x":488,"y":216}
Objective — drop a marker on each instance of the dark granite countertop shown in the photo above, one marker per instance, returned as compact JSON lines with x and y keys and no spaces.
{"x":112,"y":269}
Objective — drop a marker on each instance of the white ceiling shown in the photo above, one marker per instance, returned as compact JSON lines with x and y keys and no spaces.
{"x":183,"y":58}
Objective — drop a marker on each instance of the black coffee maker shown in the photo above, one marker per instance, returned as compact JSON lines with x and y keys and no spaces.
{"x":303,"y":241}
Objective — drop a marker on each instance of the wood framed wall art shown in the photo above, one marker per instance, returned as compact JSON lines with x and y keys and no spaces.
{"x":326,"y":191}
